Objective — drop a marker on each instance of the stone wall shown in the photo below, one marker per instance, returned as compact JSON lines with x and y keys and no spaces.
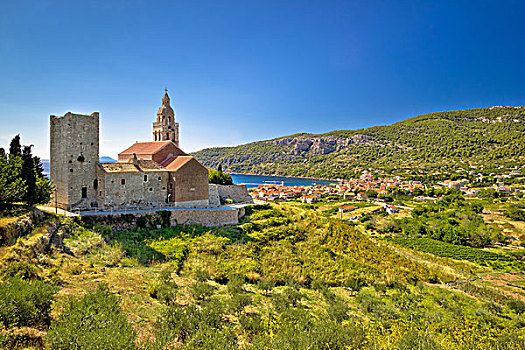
{"x":136,"y":189}
{"x":206,"y":217}
{"x":20,"y":226}
{"x":237,"y":193}
{"x":215,"y":200}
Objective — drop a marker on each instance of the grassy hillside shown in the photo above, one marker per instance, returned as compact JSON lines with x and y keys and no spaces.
{"x":494,"y":135}
{"x":285,"y":278}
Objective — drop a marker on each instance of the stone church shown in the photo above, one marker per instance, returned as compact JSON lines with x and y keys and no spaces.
{"x":146,"y":175}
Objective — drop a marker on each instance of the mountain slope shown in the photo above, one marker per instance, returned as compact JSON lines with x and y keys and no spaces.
{"x":493,"y":135}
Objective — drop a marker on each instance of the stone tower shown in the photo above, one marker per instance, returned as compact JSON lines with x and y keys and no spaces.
{"x":165,"y":128}
{"x":74,"y":159}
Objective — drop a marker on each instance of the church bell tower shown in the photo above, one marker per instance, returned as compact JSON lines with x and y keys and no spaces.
{"x":165,"y":128}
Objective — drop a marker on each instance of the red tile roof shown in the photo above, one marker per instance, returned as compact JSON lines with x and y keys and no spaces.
{"x":146,"y":147}
{"x":175,"y":163}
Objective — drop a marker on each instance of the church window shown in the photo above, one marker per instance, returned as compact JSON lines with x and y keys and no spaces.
{"x":146,"y":178}
{"x":159,"y":178}
{"x":123,"y":181}
{"x":95,"y":184}
{"x":100,"y":193}
{"x":171,"y":186}
{"x":84,"y":192}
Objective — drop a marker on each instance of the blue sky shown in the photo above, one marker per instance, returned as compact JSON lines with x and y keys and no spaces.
{"x":241,"y":71}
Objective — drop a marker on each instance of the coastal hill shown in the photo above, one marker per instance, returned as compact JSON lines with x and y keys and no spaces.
{"x":489,"y":136}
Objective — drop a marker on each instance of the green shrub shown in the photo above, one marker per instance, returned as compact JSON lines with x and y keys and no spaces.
{"x":517,"y":305}
{"x":181,"y":323}
{"x":21,"y":269}
{"x":238,"y":302}
{"x":165,"y":216}
{"x":94,"y":321}
{"x":414,"y":339}
{"x":235,"y":285}
{"x":25,"y":303}
{"x":304,"y":332}
{"x":201,"y":291}
{"x":266,"y":285}
{"x":218,"y":177}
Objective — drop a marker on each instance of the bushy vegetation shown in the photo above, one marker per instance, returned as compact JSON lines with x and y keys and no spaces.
{"x":516,"y":212}
{"x":25,"y":303}
{"x":22,"y":176}
{"x":450,"y":219}
{"x":447,"y":250}
{"x":218,"y":177}
{"x":285,"y":278}
{"x":94,"y":321}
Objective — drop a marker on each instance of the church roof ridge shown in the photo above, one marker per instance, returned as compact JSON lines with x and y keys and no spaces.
{"x":148,"y":147}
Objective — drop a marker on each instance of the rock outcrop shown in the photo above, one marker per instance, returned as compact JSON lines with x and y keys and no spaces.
{"x":322,"y":144}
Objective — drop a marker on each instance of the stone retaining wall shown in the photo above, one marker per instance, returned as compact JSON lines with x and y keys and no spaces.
{"x":206,"y":217}
{"x":215,"y":217}
{"x":20,"y":227}
{"x":237,"y":193}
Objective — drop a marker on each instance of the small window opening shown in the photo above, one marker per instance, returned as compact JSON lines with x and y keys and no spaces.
{"x":145,"y":178}
{"x":81,"y":158}
{"x":95,"y":184}
{"x":84,"y":192}
{"x":171,"y":186}
{"x":151,"y":189}
{"x":123,"y":181}
{"x":159,"y":178}
{"x":70,"y":170}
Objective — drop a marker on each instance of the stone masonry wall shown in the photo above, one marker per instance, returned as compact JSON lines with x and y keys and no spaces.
{"x":206,"y":217}
{"x":237,"y":193}
{"x":215,"y":200}
{"x":135,"y":191}
{"x":214,"y":217}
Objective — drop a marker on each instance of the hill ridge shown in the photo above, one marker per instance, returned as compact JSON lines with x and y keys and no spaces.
{"x":494,"y":135}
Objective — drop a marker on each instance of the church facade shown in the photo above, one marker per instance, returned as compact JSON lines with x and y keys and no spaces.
{"x":146,"y":175}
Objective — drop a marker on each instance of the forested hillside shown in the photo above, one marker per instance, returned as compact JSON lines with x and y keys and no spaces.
{"x":494,"y":135}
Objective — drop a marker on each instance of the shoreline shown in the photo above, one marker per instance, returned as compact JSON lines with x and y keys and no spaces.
{"x":288,"y":177}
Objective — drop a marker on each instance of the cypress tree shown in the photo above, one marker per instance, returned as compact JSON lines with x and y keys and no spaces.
{"x":39,"y":168}
{"x":15,"y":149}
{"x":219,"y":168}
{"x":29,"y":175}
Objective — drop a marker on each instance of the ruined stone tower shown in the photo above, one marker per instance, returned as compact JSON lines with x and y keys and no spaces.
{"x":74,"y":159}
{"x":165,"y":128}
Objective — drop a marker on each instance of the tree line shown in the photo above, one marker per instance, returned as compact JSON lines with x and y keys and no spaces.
{"x":22,"y":178}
